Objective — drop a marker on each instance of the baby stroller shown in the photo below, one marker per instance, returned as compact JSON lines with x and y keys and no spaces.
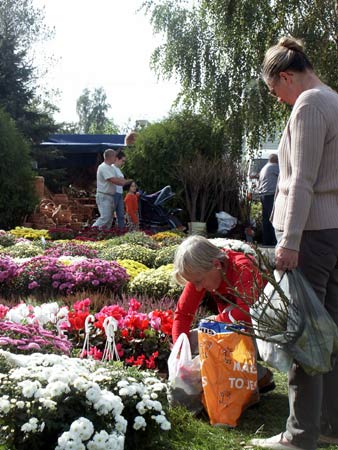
{"x":152,"y":214}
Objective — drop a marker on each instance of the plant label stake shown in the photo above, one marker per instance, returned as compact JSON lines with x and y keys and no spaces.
{"x":88,"y":326}
{"x":43,"y":242}
{"x":110,"y":326}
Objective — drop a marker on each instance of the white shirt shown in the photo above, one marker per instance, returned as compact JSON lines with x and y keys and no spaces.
{"x":119,"y":174}
{"x":104,"y":172}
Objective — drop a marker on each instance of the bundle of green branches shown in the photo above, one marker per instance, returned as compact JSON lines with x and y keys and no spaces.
{"x":295,"y":322}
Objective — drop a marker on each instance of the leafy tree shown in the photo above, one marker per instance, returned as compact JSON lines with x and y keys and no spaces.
{"x":16,"y":176}
{"x":158,"y":148}
{"x":215,"y":48}
{"x":91,"y":108}
{"x":21,"y":25}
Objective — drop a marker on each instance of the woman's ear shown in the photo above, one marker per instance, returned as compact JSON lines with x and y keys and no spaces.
{"x":217,"y":264}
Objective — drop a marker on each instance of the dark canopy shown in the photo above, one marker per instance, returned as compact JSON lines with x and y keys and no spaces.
{"x":77,"y":150}
{"x":84,"y":143}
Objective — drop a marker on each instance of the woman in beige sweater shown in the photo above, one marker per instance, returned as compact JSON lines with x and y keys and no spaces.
{"x":305,"y":218}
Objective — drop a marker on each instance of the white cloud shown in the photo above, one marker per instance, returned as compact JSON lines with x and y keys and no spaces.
{"x":105,"y":43}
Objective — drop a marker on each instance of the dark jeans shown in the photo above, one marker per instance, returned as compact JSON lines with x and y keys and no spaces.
{"x":269,"y":237}
{"x":313,"y":399}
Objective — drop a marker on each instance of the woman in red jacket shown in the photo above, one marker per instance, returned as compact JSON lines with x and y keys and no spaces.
{"x":227,"y":275}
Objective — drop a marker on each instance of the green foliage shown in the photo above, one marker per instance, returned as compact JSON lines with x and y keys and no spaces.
{"x":165,"y":255}
{"x":91,"y":108}
{"x":22,"y":250}
{"x":16,"y":176}
{"x":135,"y":252}
{"x":159,"y":147}
{"x":138,"y":238}
{"x":215,"y":48}
{"x":156,"y":283}
{"x":21,"y":25}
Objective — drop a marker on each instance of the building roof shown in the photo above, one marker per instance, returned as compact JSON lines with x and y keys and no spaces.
{"x":84,"y":143}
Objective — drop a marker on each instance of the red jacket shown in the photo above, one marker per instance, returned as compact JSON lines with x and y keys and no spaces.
{"x":242,"y":275}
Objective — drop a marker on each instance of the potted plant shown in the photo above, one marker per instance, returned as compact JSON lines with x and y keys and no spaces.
{"x":206,"y":183}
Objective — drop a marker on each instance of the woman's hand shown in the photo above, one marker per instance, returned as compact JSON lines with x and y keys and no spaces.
{"x":286,"y":259}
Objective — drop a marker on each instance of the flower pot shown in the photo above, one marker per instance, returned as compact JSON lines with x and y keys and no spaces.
{"x":198,"y":228}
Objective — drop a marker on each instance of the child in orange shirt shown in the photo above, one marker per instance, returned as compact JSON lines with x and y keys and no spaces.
{"x":131,"y":207}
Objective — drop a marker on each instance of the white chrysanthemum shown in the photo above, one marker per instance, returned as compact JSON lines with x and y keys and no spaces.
{"x":158,"y":387}
{"x":141,"y":408}
{"x":93,"y":394}
{"x":109,"y":402}
{"x":5,"y":406}
{"x":121,"y":424}
{"x":165,"y":426}
{"x":122,"y":383}
{"x":99,"y":441}
{"x":67,"y":442}
{"x":123,"y":392}
{"x":115,"y":442}
{"x":48,"y":403}
{"x":139,"y":422}
{"x":82,"y":428}
{"x":31,"y":426}
{"x":60,"y":376}
{"x":57,"y":388}
{"x":29,"y":387}
{"x":82,"y":384}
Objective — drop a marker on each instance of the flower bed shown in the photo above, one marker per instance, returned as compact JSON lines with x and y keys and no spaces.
{"x":50,"y":401}
{"x":45,"y":276}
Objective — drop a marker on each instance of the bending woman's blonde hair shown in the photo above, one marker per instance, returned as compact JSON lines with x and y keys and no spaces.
{"x":194,"y":255}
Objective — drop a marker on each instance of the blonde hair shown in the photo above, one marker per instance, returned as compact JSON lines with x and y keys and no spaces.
{"x":287,"y":54}
{"x":194,"y":255}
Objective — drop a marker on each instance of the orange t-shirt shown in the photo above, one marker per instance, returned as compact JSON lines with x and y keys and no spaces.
{"x":131,"y":205}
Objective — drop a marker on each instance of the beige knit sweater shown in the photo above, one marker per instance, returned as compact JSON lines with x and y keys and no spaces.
{"x":307,"y":192}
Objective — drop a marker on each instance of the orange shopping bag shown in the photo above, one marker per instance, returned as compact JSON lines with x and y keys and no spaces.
{"x":228,"y":370}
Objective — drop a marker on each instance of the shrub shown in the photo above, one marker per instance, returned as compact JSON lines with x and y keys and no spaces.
{"x":23,"y":250}
{"x":29,"y":233}
{"x":156,"y":283}
{"x":45,"y":276}
{"x":18,"y":196}
{"x":71,"y":249}
{"x":6,"y":239}
{"x":135,"y":252}
{"x":58,"y":402}
{"x":138,"y":238}
{"x":165,"y":256}
{"x":133,"y":268}
{"x":31,"y":338}
{"x":166,"y":238}
{"x":8,"y":270}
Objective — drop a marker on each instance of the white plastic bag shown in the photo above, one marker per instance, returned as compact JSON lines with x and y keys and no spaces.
{"x":271,"y":352}
{"x":225,"y":222}
{"x":306,"y":332}
{"x":185,"y":376}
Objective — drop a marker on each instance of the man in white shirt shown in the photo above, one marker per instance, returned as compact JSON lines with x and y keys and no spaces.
{"x":118,"y":196}
{"x":106,"y":179}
